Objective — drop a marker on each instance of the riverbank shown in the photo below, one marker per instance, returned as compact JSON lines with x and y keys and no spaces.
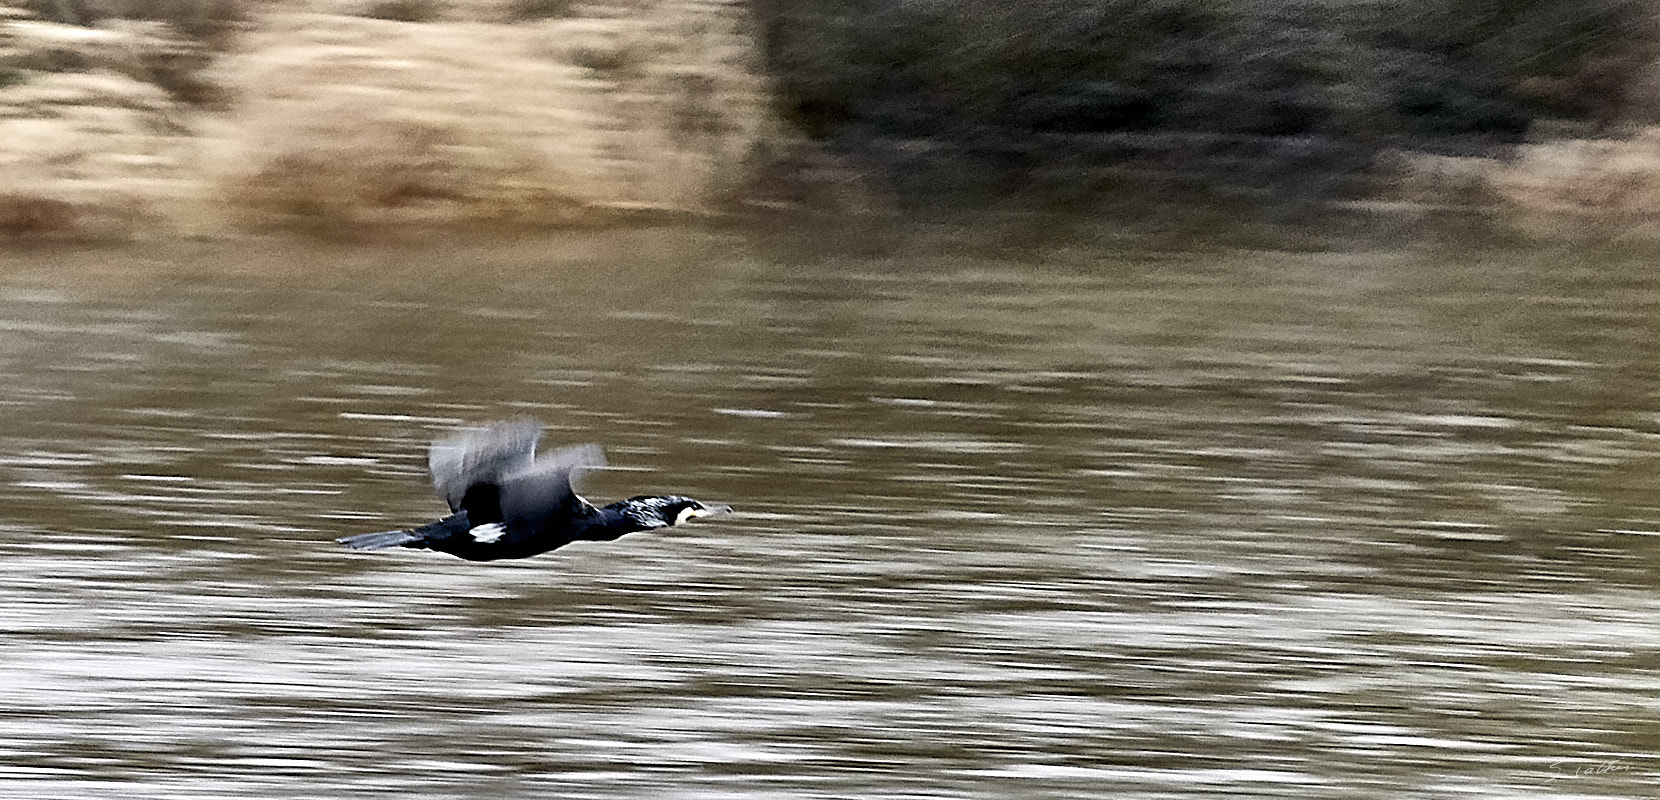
{"x":352,"y":118}
{"x":337,"y":123}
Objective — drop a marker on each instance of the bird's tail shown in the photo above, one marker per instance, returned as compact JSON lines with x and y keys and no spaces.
{"x":414,"y":537}
{"x":377,"y":541}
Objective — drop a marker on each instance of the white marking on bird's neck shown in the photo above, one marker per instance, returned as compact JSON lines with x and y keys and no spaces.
{"x":488,"y":533}
{"x":688,"y":513}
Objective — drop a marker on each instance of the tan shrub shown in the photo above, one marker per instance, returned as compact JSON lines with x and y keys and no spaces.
{"x":343,"y":121}
{"x":1584,"y":188}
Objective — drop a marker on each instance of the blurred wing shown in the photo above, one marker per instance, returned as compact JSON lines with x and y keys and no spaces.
{"x":537,"y":495}
{"x":481,"y":455}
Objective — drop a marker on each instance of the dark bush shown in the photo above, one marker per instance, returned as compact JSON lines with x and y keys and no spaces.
{"x":909,"y":83}
{"x":1430,"y":96}
{"x":404,"y":10}
{"x":208,"y":21}
{"x":1543,"y":58}
{"x":531,"y":10}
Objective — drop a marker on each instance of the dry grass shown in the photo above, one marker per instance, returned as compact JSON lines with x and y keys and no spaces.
{"x":1584,"y":188}
{"x":90,"y":155}
{"x":340,"y":124}
{"x":344,"y":122}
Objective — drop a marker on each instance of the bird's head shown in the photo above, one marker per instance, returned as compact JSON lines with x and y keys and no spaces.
{"x":662,"y":511}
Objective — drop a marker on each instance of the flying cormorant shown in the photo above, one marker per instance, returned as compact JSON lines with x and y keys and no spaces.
{"x":505,"y":502}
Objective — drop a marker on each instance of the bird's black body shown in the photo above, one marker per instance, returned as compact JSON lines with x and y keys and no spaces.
{"x":507,"y":503}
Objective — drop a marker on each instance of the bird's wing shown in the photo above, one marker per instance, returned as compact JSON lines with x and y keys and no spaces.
{"x":481,"y":455}
{"x":534,"y":497}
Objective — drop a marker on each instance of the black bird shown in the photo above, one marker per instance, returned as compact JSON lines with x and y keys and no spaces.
{"x":507,"y":503}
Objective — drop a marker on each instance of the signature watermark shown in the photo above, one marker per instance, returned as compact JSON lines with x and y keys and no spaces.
{"x":1603,"y":767}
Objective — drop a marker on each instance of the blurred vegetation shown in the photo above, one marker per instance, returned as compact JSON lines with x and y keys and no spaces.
{"x":1089,"y":98}
{"x":210,"y":21}
{"x":1130,"y":107}
{"x":167,"y":43}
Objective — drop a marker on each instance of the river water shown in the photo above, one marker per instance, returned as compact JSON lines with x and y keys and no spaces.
{"x":1048,"y":521}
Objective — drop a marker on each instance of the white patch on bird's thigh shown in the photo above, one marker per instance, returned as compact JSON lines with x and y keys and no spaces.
{"x":688,"y":513}
{"x":488,"y":533}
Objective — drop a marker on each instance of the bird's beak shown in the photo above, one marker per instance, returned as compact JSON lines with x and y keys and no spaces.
{"x":688,"y":514}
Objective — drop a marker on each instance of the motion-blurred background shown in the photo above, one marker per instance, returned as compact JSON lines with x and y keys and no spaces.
{"x":336,"y":116}
{"x":1159,"y":399}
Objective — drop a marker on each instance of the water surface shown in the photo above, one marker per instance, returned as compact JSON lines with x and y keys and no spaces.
{"x":1059,"y":521}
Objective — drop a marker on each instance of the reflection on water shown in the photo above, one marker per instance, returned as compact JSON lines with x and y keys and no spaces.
{"x":1064,"y":523}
